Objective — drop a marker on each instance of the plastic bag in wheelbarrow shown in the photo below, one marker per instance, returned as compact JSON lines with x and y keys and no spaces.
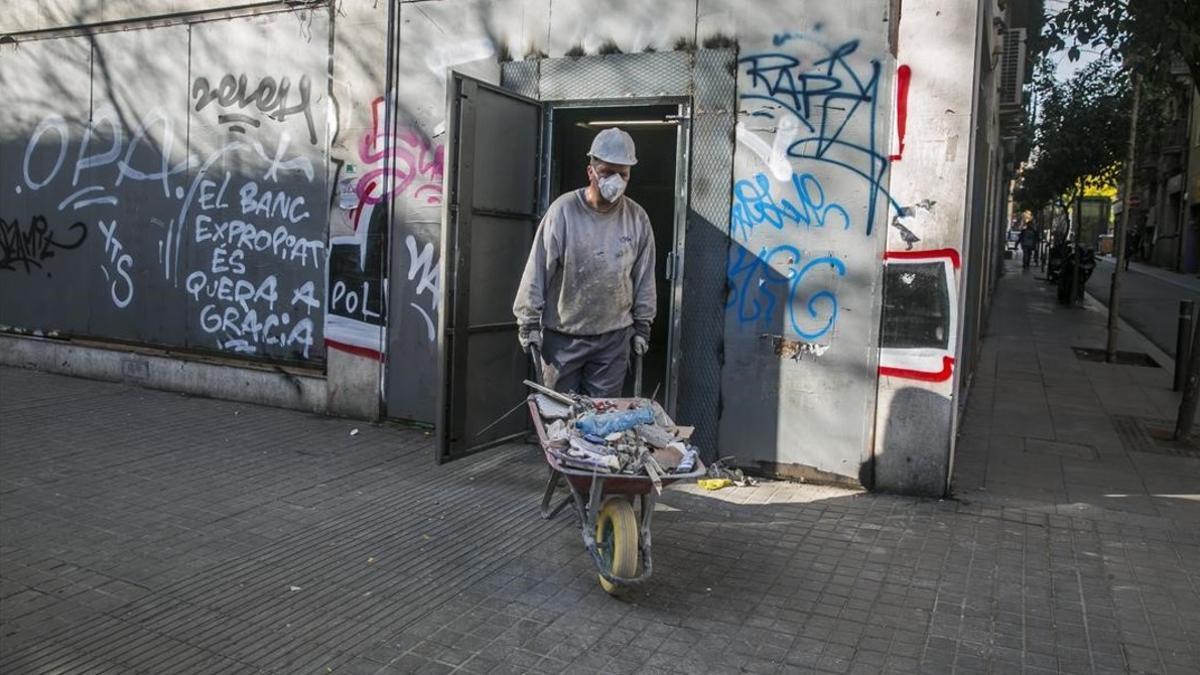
{"x":614,"y":422}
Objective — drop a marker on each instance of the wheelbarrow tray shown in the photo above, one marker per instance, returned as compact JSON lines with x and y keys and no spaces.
{"x":589,"y":488}
{"x":614,"y":483}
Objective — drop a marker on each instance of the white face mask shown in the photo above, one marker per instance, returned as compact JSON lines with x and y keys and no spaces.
{"x":611,"y":186}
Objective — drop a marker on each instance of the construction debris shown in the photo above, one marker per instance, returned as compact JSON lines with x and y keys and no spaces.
{"x":719,"y":471}
{"x":614,"y":436}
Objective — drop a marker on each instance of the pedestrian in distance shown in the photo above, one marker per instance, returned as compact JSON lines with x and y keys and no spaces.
{"x":1132,"y":243}
{"x":587,"y":295}
{"x":1027,"y":241}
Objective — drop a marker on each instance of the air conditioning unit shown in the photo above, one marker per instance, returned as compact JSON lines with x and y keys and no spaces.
{"x":1012,"y":68}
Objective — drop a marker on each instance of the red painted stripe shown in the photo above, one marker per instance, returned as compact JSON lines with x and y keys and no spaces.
{"x":352,"y":349}
{"x":922,"y":375}
{"x":925,"y":255}
{"x":903,"y":78}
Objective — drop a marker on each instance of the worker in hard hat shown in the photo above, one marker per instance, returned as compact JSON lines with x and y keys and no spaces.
{"x":587,"y":295}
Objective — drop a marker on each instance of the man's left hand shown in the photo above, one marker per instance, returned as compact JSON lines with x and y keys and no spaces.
{"x":640,"y":345}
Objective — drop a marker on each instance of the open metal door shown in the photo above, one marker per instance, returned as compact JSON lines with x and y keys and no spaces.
{"x":488,"y":228}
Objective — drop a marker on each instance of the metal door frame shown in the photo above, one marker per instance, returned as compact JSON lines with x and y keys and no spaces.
{"x":707,"y":79}
{"x":683,"y":135}
{"x":458,"y":181}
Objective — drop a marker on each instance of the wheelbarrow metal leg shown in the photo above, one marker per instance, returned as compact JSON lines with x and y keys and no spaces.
{"x":648,"y":501}
{"x":551,"y":486}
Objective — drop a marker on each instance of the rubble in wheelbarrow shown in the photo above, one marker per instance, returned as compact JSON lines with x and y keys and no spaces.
{"x":594,"y":435}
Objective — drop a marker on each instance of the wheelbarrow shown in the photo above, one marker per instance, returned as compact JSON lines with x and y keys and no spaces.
{"x":615,"y":535}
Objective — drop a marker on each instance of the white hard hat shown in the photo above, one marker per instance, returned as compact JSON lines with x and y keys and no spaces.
{"x":614,"y":146}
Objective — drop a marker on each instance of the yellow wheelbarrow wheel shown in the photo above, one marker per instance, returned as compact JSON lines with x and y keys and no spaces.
{"x":617,"y":541}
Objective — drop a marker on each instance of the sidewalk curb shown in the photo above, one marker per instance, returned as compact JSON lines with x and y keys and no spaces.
{"x":1165,"y":276}
{"x":1124,"y":326}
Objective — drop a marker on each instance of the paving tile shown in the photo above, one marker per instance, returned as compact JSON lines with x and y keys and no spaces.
{"x":1041,"y":569}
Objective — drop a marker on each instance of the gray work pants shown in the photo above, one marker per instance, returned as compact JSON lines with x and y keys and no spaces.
{"x":592,"y":365}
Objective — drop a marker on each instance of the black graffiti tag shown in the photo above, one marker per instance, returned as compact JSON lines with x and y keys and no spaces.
{"x":270,"y":97}
{"x":31,"y":246}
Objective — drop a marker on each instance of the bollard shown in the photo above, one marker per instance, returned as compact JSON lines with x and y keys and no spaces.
{"x":1183,"y":342}
{"x":1191,"y":394}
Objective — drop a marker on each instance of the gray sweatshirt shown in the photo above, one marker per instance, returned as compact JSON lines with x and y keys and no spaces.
{"x":589,"y":272}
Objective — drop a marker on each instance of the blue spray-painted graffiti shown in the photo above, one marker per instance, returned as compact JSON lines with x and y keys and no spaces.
{"x":754,"y":205}
{"x":757,"y":288}
{"x":829,"y":95}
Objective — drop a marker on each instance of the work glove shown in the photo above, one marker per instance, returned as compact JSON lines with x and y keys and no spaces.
{"x":529,"y":336}
{"x":640,"y":344}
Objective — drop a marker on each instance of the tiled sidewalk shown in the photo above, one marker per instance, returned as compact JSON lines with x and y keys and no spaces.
{"x":1045,"y":429}
{"x":144,"y":531}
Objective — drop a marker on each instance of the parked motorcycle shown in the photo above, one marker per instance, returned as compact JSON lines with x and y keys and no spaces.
{"x":1085,"y":259}
{"x":1054,"y":261}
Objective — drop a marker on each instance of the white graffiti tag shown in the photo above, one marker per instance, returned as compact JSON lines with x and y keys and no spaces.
{"x":423,"y":268}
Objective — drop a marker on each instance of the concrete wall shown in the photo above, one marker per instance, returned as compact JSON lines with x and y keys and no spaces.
{"x":808,"y":225}
{"x":914,"y":424}
{"x":274,"y":386}
{"x":845,"y":158}
{"x":59,"y":14}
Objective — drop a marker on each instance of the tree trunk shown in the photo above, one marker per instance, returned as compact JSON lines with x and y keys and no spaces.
{"x":1114,"y":289}
{"x":1075,"y":291}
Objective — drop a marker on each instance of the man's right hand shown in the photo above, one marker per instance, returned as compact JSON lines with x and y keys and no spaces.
{"x":529,"y":336}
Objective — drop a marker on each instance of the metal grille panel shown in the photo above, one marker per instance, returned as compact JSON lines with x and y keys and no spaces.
{"x":521,"y":77}
{"x":707,"y":246}
{"x":616,"y":76}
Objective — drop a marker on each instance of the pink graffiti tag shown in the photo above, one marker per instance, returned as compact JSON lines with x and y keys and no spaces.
{"x":415,"y":162}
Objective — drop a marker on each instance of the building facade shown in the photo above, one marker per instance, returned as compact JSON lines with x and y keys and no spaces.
{"x":1164,"y":215}
{"x":326,"y":206}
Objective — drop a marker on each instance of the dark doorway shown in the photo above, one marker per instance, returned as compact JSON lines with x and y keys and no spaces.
{"x":654,"y":184}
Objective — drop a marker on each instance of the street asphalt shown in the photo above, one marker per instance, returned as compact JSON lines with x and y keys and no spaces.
{"x":1149,"y":298}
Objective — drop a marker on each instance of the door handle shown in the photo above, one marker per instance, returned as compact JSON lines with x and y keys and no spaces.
{"x":670,"y":272}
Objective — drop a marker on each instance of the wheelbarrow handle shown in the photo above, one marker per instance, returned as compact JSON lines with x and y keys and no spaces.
{"x":535,"y":355}
{"x":637,"y":375}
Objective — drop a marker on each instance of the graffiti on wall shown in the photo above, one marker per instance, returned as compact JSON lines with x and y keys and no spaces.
{"x":414,"y":164}
{"x":31,"y":247}
{"x":423,"y":271}
{"x":900,"y":112}
{"x":270,"y":97}
{"x":806,"y":205}
{"x":404,"y":165}
{"x":820,"y":101}
{"x":116,"y":265}
{"x":918,"y":337}
{"x":770,"y":286}
{"x":832,"y":94}
{"x":225,"y":241}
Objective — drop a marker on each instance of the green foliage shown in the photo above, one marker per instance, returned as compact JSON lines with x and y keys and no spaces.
{"x":1080,"y":136}
{"x":1148,"y":35}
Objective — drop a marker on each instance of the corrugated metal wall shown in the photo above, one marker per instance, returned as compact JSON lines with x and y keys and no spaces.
{"x":168,"y":185}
